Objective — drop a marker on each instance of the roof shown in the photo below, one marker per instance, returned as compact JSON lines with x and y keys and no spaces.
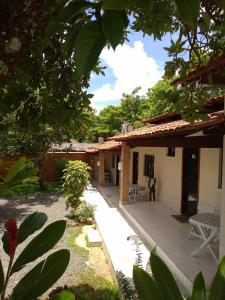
{"x":73,"y":147}
{"x":214,"y":104}
{"x":106,"y":146}
{"x":173,"y":128}
{"x":211,"y":73}
{"x":162,"y":117}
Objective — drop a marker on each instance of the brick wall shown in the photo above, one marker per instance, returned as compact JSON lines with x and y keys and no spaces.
{"x":48,"y":172}
{"x":7,"y":162}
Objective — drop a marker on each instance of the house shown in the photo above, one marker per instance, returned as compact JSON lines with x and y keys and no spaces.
{"x":186,"y":159}
{"x":72,"y":150}
{"x":104,"y":159}
{"x":212,"y":74}
{"x":176,"y":149}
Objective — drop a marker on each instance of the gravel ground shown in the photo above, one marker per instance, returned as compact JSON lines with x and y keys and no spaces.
{"x":54,"y":206}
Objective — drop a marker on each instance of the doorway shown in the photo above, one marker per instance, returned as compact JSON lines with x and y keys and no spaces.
{"x":135,"y":167}
{"x":117,"y":171}
{"x":190,"y":181}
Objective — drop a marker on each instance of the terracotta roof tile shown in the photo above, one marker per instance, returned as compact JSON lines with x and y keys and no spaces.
{"x":173,"y":128}
{"x":209,"y":106}
{"x":206,"y":73}
{"x":72,"y":146}
{"x":92,"y":150}
{"x":108,"y":145}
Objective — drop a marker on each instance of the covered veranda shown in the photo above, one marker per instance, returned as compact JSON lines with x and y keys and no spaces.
{"x":154,"y":224}
{"x":153,"y":220}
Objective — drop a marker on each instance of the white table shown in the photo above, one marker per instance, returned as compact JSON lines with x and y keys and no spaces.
{"x":206,"y":227}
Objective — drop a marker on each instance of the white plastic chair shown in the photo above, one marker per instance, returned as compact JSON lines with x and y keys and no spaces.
{"x":132,"y":193}
{"x":136,"y":193}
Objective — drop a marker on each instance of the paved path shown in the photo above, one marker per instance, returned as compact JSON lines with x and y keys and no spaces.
{"x":116,"y":233}
{"x":54,"y":206}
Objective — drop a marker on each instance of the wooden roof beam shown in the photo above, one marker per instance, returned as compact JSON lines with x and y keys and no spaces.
{"x":209,"y":141}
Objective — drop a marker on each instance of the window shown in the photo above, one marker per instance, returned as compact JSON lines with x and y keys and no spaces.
{"x":171,"y":151}
{"x":220,"y":177}
{"x":149,"y":166}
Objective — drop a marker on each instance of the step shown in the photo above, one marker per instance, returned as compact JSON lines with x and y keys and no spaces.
{"x":94,"y":239}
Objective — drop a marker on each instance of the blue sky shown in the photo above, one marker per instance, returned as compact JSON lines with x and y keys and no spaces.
{"x":139,"y":62}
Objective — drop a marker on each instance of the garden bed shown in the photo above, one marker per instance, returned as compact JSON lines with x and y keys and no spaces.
{"x":88,"y":266}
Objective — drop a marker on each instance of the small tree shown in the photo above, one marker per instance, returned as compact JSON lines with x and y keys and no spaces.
{"x":60,"y":167}
{"x":76,"y":178}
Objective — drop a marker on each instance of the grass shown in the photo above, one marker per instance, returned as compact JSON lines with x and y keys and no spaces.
{"x":94,"y":287}
{"x":88,"y":285}
{"x":97,"y":282}
{"x":72,"y":233}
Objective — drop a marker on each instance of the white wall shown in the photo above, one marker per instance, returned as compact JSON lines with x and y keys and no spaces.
{"x":209,"y":176}
{"x":222,"y":218}
{"x":168,"y":173}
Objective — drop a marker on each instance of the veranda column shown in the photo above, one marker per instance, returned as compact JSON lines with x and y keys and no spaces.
{"x":101,"y":170}
{"x":222,"y":208}
{"x":124,"y":173}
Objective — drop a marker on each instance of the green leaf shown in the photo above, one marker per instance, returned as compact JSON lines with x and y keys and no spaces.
{"x":88,"y":46}
{"x":20,"y":173}
{"x":42,"y":276}
{"x":116,"y":4}
{"x":64,"y":295}
{"x":217,"y":289}
{"x":145,"y":285}
{"x":66,"y":14}
{"x":15,"y":169}
{"x":1,"y":277}
{"x":41,"y":244}
{"x":188,"y":11}
{"x":114,"y":22}
{"x":31,"y":224}
{"x":198,"y":291}
{"x":164,"y":279}
{"x":5,"y":243}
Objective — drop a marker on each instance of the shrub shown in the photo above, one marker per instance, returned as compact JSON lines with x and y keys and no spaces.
{"x":160,"y":284}
{"x":52,"y":186}
{"x":60,"y":167}
{"x":20,"y":177}
{"x":84,"y":213}
{"x":76,"y":178}
{"x":88,"y":292}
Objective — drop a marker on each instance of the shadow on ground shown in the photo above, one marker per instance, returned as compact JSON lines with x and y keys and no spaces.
{"x":20,"y":206}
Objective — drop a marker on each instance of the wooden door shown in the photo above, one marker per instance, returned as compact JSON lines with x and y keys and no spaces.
{"x":190,"y":181}
{"x":117,"y":171}
{"x":135,"y":167}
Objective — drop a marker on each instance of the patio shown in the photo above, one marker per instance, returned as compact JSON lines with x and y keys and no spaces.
{"x":156,"y":226}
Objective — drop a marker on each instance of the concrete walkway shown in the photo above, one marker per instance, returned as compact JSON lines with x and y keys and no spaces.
{"x":115,"y":232}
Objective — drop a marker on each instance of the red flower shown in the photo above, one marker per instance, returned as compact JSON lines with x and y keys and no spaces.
{"x":12,"y":234}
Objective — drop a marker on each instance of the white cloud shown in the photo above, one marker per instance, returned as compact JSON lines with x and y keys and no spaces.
{"x":98,"y":108}
{"x":131,"y":67}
